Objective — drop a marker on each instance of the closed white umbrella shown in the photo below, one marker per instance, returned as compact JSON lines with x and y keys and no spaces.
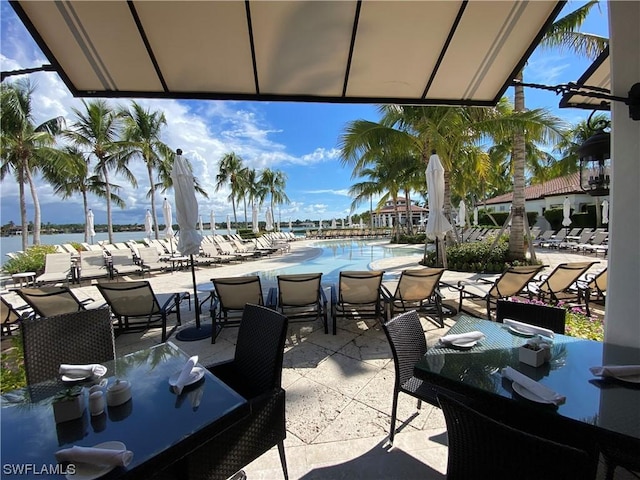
{"x":342,"y":222}
{"x":254,"y":219}
{"x":475,"y":217}
{"x":605,"y":211}
{"x":437,"y":223}
{"x":350,"y":221}
{"x":333,"y":224}
{"x":200,"y":227}
{"x":190,"y":239}
{"x":148,"y":224}
{"x":91,"y":232}
{"x":290,"y":227}
{"x":168,"y":219}
{"x":462,"y":214}
{"x":566,"y":212}
{"x":268,"y":220}
{"x":212,"y":222}
{"x":228,"y":224}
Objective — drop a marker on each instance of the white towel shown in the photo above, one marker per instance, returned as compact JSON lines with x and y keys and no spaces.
{"x":185,"y":374}
{"x":457,"y":338}
{"x":79,"y":370}
{"x":616,"y":370}
{"x":526,"y":328}
{"x":95,"y":456}
{"x":533,"y":386}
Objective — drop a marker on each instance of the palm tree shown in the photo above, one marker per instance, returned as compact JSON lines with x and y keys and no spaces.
{"x":164,"y":167}
{"x":274,"y":182}
{"x":230,"y":166}
{"x":25,"y":146}
{"x":562,"y":34}
{"x":97,"y":129}
{"x":142,"y":129}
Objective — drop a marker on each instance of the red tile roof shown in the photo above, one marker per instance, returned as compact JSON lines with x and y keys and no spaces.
{"x":557,"y":186}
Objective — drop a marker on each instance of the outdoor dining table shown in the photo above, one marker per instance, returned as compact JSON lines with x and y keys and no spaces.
{"x":157,"y":425}
{"x":606,"y":410}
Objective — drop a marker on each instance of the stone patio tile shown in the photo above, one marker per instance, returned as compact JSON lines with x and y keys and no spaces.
{"x":369,"y":347}
{"x":311,"y":407}
{"x":330,"y":341}
{"x":304,"y":357}
{"x":343,"y":374}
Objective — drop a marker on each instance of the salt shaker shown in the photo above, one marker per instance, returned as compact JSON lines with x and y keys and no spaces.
{"x":96,"y":403}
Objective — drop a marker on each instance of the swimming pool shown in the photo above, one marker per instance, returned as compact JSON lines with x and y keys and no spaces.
{"x":336,"y":255}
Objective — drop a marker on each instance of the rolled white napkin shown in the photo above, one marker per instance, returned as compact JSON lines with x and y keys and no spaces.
{"x":466,"y":337}
{"x":527,"y":328}
{"x":95,"y":456}
{"x":185,"y":374}
{"x":533,"y":386}
{"x":79,"y":370}
{"x":616,"y":370}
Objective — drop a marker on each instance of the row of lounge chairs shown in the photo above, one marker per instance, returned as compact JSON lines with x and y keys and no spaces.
{"x":585,"y":240}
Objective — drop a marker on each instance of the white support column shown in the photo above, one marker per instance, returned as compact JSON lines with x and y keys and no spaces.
{"x":622,"y":319}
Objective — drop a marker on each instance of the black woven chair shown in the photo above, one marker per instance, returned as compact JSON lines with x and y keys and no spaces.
{"x":408,"y":345}
{"x":256,"y":373}
{"x":544,"y":316}
{"x":76,"y":338}
{"x":481,"y":447}
{"x":617,"y":455}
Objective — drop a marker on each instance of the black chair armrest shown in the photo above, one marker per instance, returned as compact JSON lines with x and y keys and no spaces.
{"x":272,"y":298}
{"x":334,"y":295}
{"x":386,"y":294}
{"x":224,"y":371}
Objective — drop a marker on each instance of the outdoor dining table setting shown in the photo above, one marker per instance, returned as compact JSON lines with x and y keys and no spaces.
{"x":125,"y":418}
{"x":553,"y":382}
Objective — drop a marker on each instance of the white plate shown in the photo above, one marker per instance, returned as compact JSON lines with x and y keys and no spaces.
{"x":528,"y":394}
{"x":89,"y":471}
{"x":521,"y":332}
{"x":464,"y":344}
{"x":196,"y":374}
{"x":98,"y":372}
{"x":629,"y":378}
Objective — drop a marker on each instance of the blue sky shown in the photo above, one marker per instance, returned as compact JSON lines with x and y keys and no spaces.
{"x":301,"y":139}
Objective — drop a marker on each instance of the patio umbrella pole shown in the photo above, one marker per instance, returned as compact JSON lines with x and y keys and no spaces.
{"x":195,"y":292}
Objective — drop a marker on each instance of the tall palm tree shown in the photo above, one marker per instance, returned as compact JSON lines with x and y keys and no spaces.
{"x":24,"y":146}
{"x":142,"y":130}
{"x":230,"y":166}
{"x":562,"y":34}
{"x":274,"y":182}
{"x":97,"y":129}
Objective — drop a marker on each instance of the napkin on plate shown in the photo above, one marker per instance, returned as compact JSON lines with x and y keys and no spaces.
{"x":527,"y":328}
{"x":533,"y":386}
{"x":185,"y":374}
{"x":616,"y":370}
{"x":79,"y":370}
{"x":462,"y":337}
{"x":95,"y":456}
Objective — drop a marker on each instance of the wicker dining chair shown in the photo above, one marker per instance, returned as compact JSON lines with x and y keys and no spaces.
{"x":255,"y":373}
{"x":76,"y":338}
{"x":481,"y":447}
{"x":545,"y":316}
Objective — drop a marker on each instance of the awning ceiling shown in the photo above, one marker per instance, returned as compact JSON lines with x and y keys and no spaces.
{"x":411,"y":52}
{"x":598,"y":76}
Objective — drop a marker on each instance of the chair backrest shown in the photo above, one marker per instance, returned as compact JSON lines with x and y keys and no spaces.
{"x":148,"y":255}
{"x":57,"y":262}
{"x":235,"y":292}
{"x":544,"y":316}
{"x":76,"y":338}
{"x":299,"y":290}
{"x":416,"y":285}
{"x":483,"y":447}
{"x":259,"y":350}
{"x":130,"y":299}
{"x":407,"y":341}
{"x":51,"y":301}
{"x":563,"y":276}
{"x":8,"y":314}
{"x":360,"y":287}
{"x":513,"y":280}
{"x":121,"y":257}
{"x":91,"y":260}
{"x":599,"y":282}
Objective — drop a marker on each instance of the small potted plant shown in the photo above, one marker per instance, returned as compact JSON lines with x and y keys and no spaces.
{"x":68,"y":404}
{"x":535,"y":352}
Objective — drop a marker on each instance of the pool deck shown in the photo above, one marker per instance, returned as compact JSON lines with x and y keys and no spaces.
{"x":339,"y":388}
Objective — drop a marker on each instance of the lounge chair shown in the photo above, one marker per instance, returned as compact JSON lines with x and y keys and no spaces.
{"x":230,"y":295}
{"x":57,"y":268}
{"x":417,"y":289}
{"x":300,"y":297}
{"x":598,"y":239}
{"x":556,"y":239}
{"x":92,"y":265}
{"x":560,"y":284}
{"x":593,"y":288}
{"x":150,"y":260}
{"x":122,"y":263}
{"x":543,"y":237}
{"x":10,"y":316}
{"x":137,"y":300}
{"x":511,"y":283}
{"x":52,"y":301}
{"x":358,"y":295}
{"x":210,"y":251}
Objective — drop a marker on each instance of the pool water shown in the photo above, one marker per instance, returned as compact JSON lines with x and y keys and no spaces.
{"x":338,"y":255}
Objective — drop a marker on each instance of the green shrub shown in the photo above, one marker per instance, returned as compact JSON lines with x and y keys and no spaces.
{"x":411,"y":239}
{"x":30,"y":261}
{"x":12,"y":374}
